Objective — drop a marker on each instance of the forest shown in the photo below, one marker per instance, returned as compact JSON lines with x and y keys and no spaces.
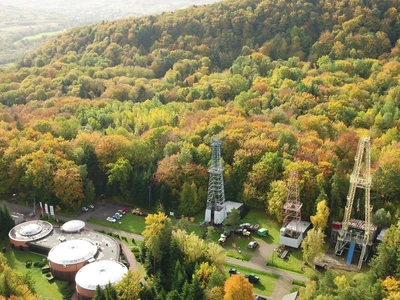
{"x":126,"y":110}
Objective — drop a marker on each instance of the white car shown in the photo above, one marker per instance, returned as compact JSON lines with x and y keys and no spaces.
{"x":112,"y":220}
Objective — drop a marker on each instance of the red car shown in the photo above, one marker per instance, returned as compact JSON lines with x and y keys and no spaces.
{"x":124,"y":209}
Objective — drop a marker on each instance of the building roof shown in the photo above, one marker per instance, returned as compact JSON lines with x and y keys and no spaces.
{"x":100,"y":273}
{"x":303,"y":225}
{"x":72,"y":252}
{"x":73,"y":226}
{"x":30,"y":231}
{"x":230,"y":205}
{"x":291,"y":296}
{"x":360,"y":224}
{"x":381,"y":234}
{"x":108,"y":246}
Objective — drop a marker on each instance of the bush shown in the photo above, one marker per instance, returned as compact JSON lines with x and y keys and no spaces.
{"x":67,"y":291}
{"x":28,"y":264}
{"x":299,"y":282}
{"x":133,"y":241}
{"x":116,"y":235}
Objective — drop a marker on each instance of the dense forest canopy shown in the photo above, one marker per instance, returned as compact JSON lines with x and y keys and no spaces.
{"x":127,"y":109}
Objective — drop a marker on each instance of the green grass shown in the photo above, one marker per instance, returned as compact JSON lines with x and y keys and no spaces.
{"x":267,"y":280}
{"x":129,"y":223}
{"x":235,"y":254}
{"x":16,"y":260}
{"x":261,"y":218}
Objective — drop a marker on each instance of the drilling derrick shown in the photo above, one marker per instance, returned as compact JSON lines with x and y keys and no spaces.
{"x":358,"y":233}
{"x":215,"y":210}
{"x":292,"y":205}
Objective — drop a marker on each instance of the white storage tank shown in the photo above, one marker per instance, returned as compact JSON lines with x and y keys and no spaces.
{"x":98,"y":273}
{"x":67,"y":258}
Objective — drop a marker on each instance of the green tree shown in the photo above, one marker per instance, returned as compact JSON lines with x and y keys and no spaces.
{"x":232,"y":221}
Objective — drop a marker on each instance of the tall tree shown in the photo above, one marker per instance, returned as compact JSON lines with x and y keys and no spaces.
{"x":320,"y":220}
{"x":313,"y":246}
{"x":129,"y":287}
{"x":238,"y":287}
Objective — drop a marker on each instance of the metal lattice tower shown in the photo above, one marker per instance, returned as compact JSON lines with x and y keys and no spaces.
{"x":216,"y":191}
{"x":360,"y":178}
{"x":293,"y":205}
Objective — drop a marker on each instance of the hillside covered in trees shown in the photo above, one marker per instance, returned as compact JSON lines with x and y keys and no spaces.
{"x":126,"y":110}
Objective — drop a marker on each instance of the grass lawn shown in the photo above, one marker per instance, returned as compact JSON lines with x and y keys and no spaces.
{"x":267,"y":280}
{"x":260,"y":217}
{"x":129,"y":223}
{"x":16,"y":260}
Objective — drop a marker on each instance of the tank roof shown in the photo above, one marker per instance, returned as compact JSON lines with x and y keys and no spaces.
{"x":72,"y":252}
{"x":73,"y":226}
{"x":100,"y":273}
{"x":30,"y":231}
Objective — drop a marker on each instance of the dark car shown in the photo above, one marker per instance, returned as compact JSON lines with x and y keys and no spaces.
{"x":233,"y":271}
{"x":252,"y":278}
{"x":245,"y":226}
{"x":227,"y":233}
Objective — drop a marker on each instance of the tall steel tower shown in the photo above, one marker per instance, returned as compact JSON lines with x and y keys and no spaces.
{"x":293,"y":205}
{"x":216,"y":211}
{"x":360,"y":233}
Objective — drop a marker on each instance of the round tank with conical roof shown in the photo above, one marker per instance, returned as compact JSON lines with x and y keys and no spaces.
{"x":98,"y":273}
{"x":69,"y":257}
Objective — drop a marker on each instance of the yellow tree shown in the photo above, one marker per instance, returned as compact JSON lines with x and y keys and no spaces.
{"x":157,"y":236}
{"x":313,"y":246}
{"x":237,"y":287}
{"x":276,"y":199}
{"x":320,"y":220}
{"x":129,"y":287}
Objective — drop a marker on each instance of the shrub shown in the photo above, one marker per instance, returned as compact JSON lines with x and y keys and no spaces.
{"x":28,"y":264}
{"x":67,"y":291}
{"x":133,"y":241}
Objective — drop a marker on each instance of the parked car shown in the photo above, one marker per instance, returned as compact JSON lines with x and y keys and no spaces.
{"x":116,"y":217}
{"x":112,"y":220}
{"x":262,"y":232}
{"x":121,"y":212}
{"x":227,"y":233}
{"x":222,"y":238}
{"x":91,"y":207}
{"x":252,"y":245}
{"x":254,"y":227}
{"x":245,"y":226}
{"x":85,"y":209}
{"x":246,"y":232}
{"x":233,"y":271}
{"x":252,"y":278}
{"x":124,"y":209}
